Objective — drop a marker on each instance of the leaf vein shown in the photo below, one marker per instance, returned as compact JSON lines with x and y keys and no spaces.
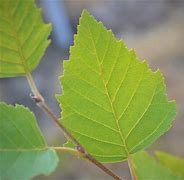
{"x":21,"y":133}
{"x":99,"y":140}
{"x":151,"y":133}
{"x":89,"y":67}
{"x":122,"y":82}
{"x":13,"y":164}
{"x":88,"y":99}
{"x":132,"y":98}
{"x":8,"y":62}
{"x":114,"y":64}
{"x":107,"y":50}
{"x":80,"y":78}
{"x":139,"y":119}
{"x":8,"y":48}
{"x":24,"y":17}
{"x":12,"y":142}
{"x":97,"y":122}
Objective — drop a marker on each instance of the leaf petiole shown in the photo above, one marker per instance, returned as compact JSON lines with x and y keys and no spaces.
{"x":132,"y":168}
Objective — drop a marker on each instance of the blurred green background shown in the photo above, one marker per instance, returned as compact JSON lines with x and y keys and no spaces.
{"x":154,"y":28}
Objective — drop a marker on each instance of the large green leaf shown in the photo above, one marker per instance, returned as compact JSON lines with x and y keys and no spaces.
{"x":23,"y":37}
{"x":23,"y":151}
{"x":112,"y":102}
{"x":148,"y":169}
{"x":175,"y":164}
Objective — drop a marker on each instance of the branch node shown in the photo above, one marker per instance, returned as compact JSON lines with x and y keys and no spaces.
{"x":35,"y":98}
{"x":80,"y":149}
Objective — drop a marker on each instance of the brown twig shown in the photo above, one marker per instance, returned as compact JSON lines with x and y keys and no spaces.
{"x":39,"y":100}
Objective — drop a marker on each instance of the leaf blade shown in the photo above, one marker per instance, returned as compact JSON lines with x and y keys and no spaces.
{"x":112,"y":102}
{"x":22,"y":145}
{"x":21,"y":45}
{"x":148,"y":168}
{"x":174,"y":163}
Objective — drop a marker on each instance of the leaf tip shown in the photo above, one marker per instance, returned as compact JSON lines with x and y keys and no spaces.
{"x":85,"y":12}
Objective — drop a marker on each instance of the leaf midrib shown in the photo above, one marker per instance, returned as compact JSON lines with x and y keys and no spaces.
{"x":112,"y":107}
{"x":10,"y":20}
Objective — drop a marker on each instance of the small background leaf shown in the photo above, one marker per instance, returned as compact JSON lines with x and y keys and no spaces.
{"x":23,"y":37}
{"x":112,"y":102}
{"x":174,"y":163}
{"x":148,"y":169}
{"x":23,"y":150}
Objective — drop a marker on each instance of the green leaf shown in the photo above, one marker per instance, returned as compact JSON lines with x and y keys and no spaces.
{"x":23,"y":150}
{"x":174,"y":163}
{"x":148,"y":169}
{"x":23,"y":37}
{"x":112,"y":102}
